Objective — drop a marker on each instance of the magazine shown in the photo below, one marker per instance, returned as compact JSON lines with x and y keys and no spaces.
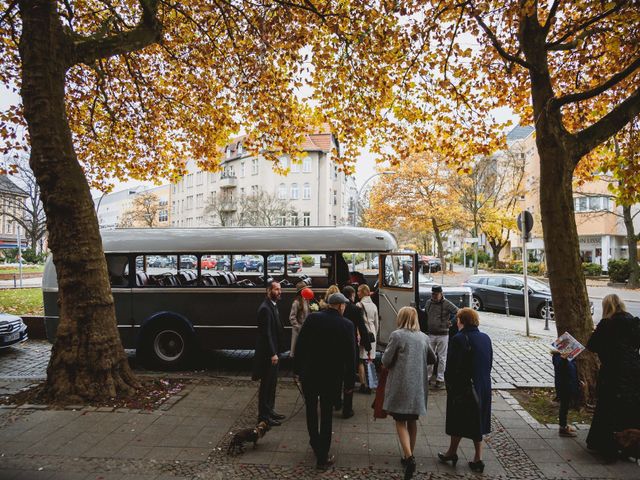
{"x":567,"y":346}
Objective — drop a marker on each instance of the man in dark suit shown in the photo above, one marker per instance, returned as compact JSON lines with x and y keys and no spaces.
{"x":354,"y":313}
{"x":269,"y":344}
{"x":324,"y":359}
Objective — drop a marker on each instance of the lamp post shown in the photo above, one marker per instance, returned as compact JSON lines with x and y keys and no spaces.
{"x":355,"y":204}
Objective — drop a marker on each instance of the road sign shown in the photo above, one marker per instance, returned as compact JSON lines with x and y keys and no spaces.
{"x":528,"y":222}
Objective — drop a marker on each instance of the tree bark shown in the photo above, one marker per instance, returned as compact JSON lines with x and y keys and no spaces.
{"x":632,"y":244}
{"x":438,"y":235}
{"x":87,"y":360}
{"x":496,"y":248}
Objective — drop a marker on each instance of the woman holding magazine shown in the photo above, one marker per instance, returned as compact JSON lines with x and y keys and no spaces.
{"x":616,"y":340}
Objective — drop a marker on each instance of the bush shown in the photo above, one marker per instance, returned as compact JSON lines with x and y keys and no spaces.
{"x":348,"y":257}
{"x":308,"y":261}
{"x":29,"y":255}
{"x":592,"y":269}
{"x":619,"y":270}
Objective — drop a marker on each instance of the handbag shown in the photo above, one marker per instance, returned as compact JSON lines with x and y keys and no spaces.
{"x":372,"y":375}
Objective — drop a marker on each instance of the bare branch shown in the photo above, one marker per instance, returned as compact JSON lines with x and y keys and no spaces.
{"x":7,"y":13}
{"x":576,"y":41}
{"x":552,"y":14}
{"x":603,"y":87}
{"x":592,"y":136}
{"x":147,"y":32}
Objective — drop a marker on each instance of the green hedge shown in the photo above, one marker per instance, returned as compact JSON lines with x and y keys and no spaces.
{"x":592,"y":269}
{"x":619,"y":270}
{"x":308,"y":261}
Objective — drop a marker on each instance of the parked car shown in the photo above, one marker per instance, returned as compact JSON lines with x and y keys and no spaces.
{"x":491,"y":290}
{"x":294,"y":264}
{"x":223,"y":264}
{"x":208,"y":263}
{"x":248,"y":264}
{"x":275,"y":263}
{"x":459,"y":296}
{"x":430,"y":263}
{"x":160,"y":262}
{"x":12,"y":330}
{"x":188,"y":262}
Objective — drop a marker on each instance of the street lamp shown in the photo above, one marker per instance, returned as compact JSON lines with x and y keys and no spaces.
{"x":355,"y":205}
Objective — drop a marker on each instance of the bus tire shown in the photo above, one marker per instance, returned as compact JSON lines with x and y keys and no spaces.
{"x":167,"y":345}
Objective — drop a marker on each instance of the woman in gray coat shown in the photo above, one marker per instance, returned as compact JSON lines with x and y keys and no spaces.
{"x":405,"y":395}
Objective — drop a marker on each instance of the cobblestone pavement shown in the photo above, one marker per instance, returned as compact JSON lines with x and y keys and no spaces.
{"x":188,"y":439}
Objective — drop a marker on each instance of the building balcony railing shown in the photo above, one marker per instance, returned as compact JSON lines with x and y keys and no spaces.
{"x":228,"y":181}
{"x":228,"y":207}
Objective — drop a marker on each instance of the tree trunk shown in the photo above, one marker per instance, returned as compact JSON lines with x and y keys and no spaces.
{"x":438,"y":235}
{"x":87,"y":360}
{"x":632,"y":244}
{"x":496,"y":248}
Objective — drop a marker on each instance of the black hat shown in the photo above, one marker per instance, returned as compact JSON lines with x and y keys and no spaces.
{"x":436,"y":289}
{"x":336,"y":299}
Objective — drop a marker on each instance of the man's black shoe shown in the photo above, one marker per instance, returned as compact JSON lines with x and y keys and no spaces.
{"x":278,"y":416}
{"x":348,"y":414}
{"x":272,"y":422}
{"x":327,"y":464}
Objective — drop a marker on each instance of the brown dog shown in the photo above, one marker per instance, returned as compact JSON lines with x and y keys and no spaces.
{"x":629,"y":441}
{"x":236,"y":445}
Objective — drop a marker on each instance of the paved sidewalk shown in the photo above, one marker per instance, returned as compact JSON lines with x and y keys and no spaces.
{"x":189,"y":440}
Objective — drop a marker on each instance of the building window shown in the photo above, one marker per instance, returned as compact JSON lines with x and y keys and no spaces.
{"x":254,"y":189}
{"x":293,"y":219}
{"x":335,"y":197}
{"x":281,"y":221}
{"x":254,"y":166}
{"x":295,"y":167}
{"x":189,"y":202}
{"x":295,"y":193}
{"x":198,"y":178}
{"x":282,"y":191}
{"x":163,"y":215}
{"x":199,"y":221}
{"x":190,"y":180}
{"x":306,"y":191}
{"x":212,"y":177}
{"x":242,"y":191}
{"x":335,"y":220}
{"x":174,"y":188}
{"x":306,"y":219}
{"x":173,"y":207}
{"x":199,"y":200}
{"x":239,"y":149}
{"x":163,"y":202}
{"x":591,"y":204}
{"x":306,"y":165}
{"x":335,"y":172}
{"x":284,"y":162}
{"x":228,"y":151}
{"x":241,"y":169}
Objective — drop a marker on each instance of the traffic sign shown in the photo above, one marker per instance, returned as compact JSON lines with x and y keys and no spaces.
{"x":528,"y":222}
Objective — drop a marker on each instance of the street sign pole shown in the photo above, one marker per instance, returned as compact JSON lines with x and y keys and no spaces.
{"x":19,"y":256}
{"x":526,"y":275}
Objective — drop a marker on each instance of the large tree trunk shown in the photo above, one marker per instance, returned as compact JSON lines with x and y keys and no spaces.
{"x":438,"y":235}
{"x":496,"y":248}
{"x":632,"y":244}
{"x":87,"y":360}
{"x":557,"y":164}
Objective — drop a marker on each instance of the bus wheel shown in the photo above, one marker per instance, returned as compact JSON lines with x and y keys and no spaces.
{"x":168,"y":346}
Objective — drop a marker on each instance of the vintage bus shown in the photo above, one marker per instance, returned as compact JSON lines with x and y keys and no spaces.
{"x":178,"y":290}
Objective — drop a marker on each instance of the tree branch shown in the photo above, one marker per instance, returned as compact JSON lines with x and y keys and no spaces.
{"x":147,"y":32}
{"x":576,"y":41}
{"x":7,"y":12}
{"x":603,"y":87}
{"x":552,"y":14}
{"x":498,"y":46}
{"x":592,"y":136}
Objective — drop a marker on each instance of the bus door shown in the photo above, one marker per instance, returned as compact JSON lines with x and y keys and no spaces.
{"x":397,"y":288}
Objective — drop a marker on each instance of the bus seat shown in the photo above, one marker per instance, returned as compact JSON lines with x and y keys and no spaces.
{"x":142,"y":279}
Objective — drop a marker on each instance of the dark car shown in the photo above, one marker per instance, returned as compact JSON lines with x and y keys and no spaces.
{"x":160,"y":262}
{"x":459,"y":296}
{"x":493,"y":291}
{"x":12,"y":330}
{"x":188,"y":262}
{"x":294,"y":264}
{"x":247,"y":264}
{"x":275,"y":263}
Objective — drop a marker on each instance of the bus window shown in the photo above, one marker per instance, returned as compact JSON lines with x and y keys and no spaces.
{"x":398,"y":271}
{"x":248,"y":265}
{"x":156,"y":270}
{"x":308,"y":267}
{"x":118,"y":266}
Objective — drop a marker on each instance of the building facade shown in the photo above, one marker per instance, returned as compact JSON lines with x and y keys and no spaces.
{"x":601,"y":229}
{"x":12,"y":198}
{"x":314,"y":190}
{"x":119,"y":209}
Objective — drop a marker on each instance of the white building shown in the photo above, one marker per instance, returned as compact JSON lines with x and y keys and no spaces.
{"x":111,"y":207}
{"x":316,"y":191}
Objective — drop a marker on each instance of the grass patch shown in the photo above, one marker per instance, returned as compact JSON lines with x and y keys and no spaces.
{"x":25,"y":269}
{"x":21,"y":301}
{"x":540,"y":404}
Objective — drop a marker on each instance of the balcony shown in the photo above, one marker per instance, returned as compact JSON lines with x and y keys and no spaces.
{"x":228,"y":207}
{"x":228,"y":181}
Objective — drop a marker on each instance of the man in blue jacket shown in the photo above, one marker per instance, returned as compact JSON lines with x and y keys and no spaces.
{"x":324,"y":359}
{"x":269,"y":345}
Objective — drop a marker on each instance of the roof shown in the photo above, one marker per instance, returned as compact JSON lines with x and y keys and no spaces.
{"x":519,"y":133}
{"x":7,"y":186}
{"x":248,"y":240}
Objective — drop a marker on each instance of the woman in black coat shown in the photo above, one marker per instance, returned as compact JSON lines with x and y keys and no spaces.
{"x":468,"y":380}
{"x":616,"y":340}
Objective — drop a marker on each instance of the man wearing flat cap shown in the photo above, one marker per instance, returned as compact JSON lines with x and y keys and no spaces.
{"x":439,"y":313}
{"x":324,"y":359}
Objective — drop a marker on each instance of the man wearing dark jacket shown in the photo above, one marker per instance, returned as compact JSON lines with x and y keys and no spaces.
{"x":439,"y":312}
{"x":354,"y":313}
{"x":322,"y":371}
{"x":269,"y":344}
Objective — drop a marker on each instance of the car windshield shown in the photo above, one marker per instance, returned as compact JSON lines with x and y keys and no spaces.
{"x":537,"y":285}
